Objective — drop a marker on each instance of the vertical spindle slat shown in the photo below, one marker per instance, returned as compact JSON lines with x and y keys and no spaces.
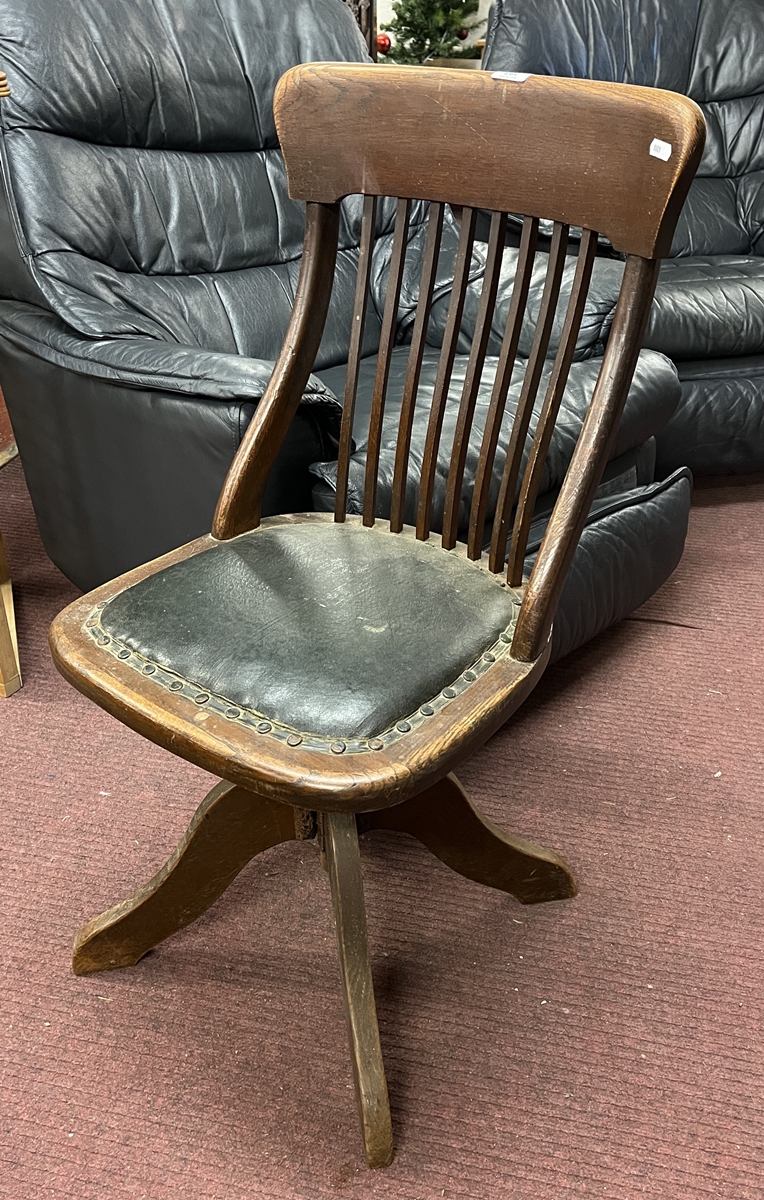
{"x":555,"y":391}
{"x":473,"y":375}
{"x":445,"y":367}
{"x":414,"y":365}
{"x":368,"y":229}
{"x":530,"y":387}
{"x":593,"y":448}
{"x":386,"y":344}
{"x":501,"y":385}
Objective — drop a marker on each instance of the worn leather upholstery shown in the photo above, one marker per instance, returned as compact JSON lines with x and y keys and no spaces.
{"x":714,"y":391}
{"x":288,"y":623}
{"x":710,"y":298}
{"x":334,"y":630}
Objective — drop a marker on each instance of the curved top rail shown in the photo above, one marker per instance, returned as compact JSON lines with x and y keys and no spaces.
{"x":604,"y":156}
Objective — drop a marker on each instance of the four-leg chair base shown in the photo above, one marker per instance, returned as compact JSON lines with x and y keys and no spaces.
{"x":232,"y":825}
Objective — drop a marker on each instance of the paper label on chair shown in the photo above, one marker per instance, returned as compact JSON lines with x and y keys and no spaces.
{"x":512,"y":76}
{"x":660,"y":149}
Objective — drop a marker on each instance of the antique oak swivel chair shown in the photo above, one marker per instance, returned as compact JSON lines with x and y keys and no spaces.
{"x":333,"y":670}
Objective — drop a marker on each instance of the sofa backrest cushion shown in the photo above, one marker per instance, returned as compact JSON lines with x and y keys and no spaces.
{"x":143,"y":171}
{"x":710,"y":50}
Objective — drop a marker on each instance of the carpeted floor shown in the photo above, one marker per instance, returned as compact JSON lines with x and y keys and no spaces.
{"x":608,"y":1046}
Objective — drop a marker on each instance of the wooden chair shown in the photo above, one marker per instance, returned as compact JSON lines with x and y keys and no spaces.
{"x":333,"y":670}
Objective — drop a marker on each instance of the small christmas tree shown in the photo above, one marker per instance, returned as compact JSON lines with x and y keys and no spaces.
{"x":425,"y":29}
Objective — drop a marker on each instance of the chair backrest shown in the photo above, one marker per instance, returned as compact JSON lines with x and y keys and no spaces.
{"x":709,"y":50}
{"x":608,"y":159}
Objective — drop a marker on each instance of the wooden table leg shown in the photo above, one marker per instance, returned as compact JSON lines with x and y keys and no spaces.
{"x":228,"y":829}
{"x":445,"y":821}
{"x":340,"y":842}
{"x":10,"y":671}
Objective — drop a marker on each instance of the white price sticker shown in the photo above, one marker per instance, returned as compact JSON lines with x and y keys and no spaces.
{"x":512,"y":76}
{"x":660,"y":149}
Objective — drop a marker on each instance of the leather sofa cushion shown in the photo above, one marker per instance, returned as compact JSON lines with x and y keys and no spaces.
{"x":335,"y":630}
{"x":147,"y":192}
{"x":652,"y":399}
{"x":718,"y":426}
{"x":708,"y":307}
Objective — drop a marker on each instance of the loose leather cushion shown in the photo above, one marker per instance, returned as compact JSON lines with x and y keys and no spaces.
{"x":652,"y":398}
{"x":334,"y":630}
{"x":710,"y":50}
{"x":631,"y":544}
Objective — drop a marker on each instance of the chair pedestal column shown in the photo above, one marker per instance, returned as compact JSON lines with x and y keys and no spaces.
{"x":339,"y":836}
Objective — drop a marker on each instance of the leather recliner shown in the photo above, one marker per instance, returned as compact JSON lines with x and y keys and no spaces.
{"x":708,"y":314}
{"x":149,"y":255}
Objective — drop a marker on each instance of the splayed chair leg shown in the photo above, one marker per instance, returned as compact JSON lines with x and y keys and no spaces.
{"x":229,"y":828}
{"x":445,"y":821}
{"x":10,"y":671}
{"x":343,"y":860}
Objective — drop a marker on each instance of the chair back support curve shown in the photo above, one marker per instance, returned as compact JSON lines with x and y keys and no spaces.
{"x":606,"y":159}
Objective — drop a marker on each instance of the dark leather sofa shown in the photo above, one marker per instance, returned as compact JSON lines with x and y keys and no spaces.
{"x":708,"y":314}
{"x":149,"y":256}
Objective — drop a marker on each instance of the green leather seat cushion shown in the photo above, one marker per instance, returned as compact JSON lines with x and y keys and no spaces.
{"x":335,"y":630}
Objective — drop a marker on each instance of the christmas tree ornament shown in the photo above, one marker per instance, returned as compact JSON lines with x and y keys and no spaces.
{"x":423,"y":30}
{"x":383,"y":43}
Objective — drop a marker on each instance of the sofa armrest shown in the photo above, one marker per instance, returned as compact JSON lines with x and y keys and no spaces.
{"x":145,"y":362}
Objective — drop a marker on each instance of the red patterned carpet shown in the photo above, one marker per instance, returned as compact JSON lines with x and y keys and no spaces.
{"x":608,"y":1046}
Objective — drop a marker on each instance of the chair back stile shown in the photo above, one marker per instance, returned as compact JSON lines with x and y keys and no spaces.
{"x":578,"y":153}
{"x":238,"y":507}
